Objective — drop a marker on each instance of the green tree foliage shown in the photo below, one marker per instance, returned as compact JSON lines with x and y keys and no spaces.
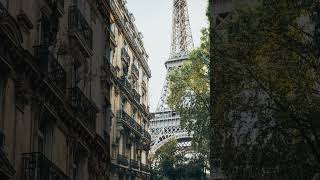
{"x":171,"y":164}
{"x":189,"y":93}
{"x":265,"y":91}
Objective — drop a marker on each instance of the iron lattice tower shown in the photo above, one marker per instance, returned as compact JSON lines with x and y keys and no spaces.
{"x":166,"y":122}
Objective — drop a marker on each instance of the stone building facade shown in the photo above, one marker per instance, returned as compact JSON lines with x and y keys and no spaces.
{"x":73,"y":91}
{"x":130,"y":75}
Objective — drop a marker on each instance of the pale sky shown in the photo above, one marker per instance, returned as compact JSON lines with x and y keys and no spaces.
{"x":153,"y":19}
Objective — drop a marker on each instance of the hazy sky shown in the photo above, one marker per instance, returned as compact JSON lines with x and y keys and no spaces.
{"x":153,"y":19}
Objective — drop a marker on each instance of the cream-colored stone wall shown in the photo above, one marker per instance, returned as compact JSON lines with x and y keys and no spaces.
{"x":20,"y":120}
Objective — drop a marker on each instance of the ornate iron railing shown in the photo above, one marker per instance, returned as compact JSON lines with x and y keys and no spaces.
{"x":58,"y":4}
{"x":122,"y":160}
{"x":134,"y":164}
{"x":131,"y":123}
{"x":146,"y":135}
{"x":124,"y":117}
{"x":135,"y":70}
{"x":108,"y":67}
{"x":79,"y":25}
{"x":125,"y":56}
{"x":83,"y":108}
{"x":37,"y":167}
{"x":124,"y":81}
{"x":53,"y":70}
{"x":136,"y":95}
{"x":57,"y":74}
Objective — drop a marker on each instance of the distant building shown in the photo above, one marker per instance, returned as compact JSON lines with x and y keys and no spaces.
{"x":130,"y":75}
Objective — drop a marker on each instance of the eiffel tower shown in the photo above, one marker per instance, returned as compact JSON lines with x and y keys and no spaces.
{"x":166,"y":123}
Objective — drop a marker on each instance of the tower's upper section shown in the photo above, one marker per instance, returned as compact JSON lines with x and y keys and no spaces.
{"x":182,"y":42}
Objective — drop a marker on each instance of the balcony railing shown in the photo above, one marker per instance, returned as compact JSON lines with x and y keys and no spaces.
{"x":124,"y":117}
{"x":131,"y":123}
{"x":83,"y":108}
{"x":124,"y":81}
{"x":135,"y":70}
{"x":37,"y":167}
{"x":146,"y":135}
{"x":125,"y":56}
{"x":136,"y":95}
{"x":122,"y":160}
{"x":108,"y":67}
{"x":58,"y":4}
{"x":134,"y":164}
{"x":144,"y":167}
{"x":56,"y":74}
{"x":81,"y":29}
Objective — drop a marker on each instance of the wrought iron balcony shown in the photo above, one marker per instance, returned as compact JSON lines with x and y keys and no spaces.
{"x":134,"y":164}
{"x":139,"y":129}
{"x":146,"y":135}
{"x":144,"y":167}
{"x":80,"y":29}
{"x":124,"y":81}
{"x":57,"y":74}
{"x":50,"y":66}
{"x":136,"y":95}
{"x":125,"y":56}
{"x":133,"y":125}
{"x":135,"y":70}
{"x":83,"y":108}
{"x":122,"y":160}
{"x":124,"y":117}
{"x":57,"y":4}
{"x":37,"y":167}
{"x":108,"y":67}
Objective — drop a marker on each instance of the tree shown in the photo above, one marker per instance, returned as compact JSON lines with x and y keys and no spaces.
{"x":189,"y":94}
{"x":171,"y":164}
{"x":265,"y":91}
